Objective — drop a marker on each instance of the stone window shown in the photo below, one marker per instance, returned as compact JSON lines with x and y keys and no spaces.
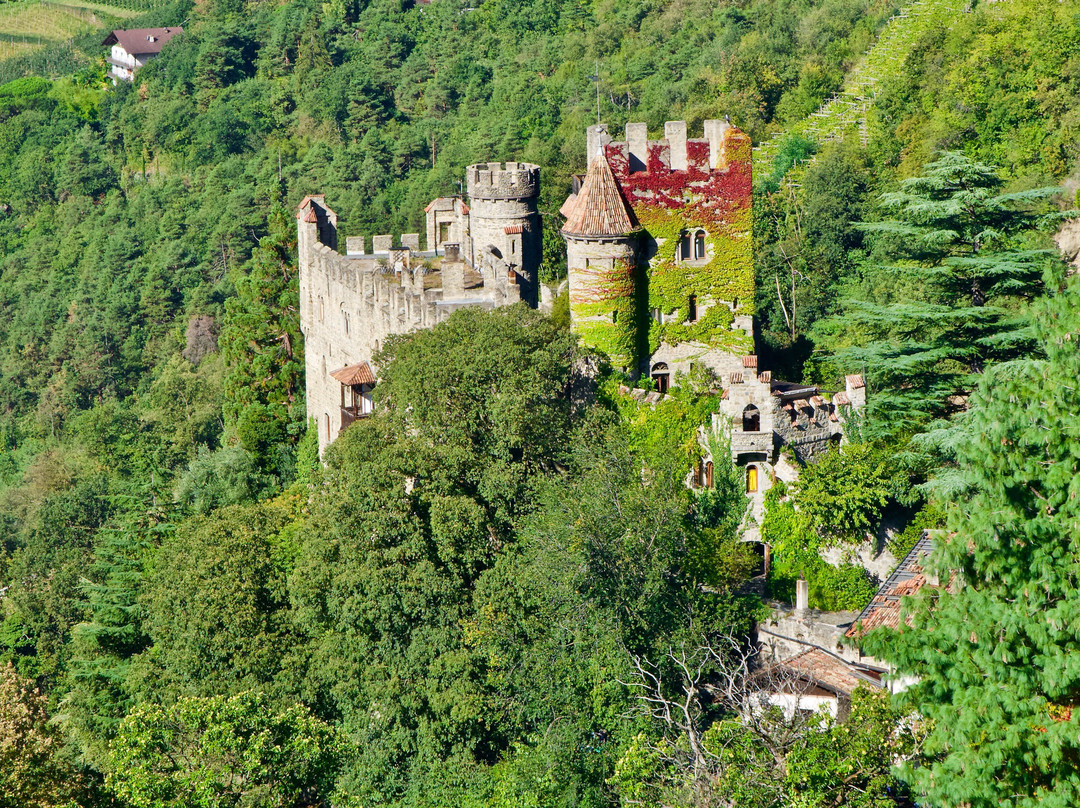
{"x":345,"y":321}
{"x":692,"y":246}
{"x":751,"y":419}
{"x":709,"y":474}
{"x":444,"y":232}
{"x":691,"y":308}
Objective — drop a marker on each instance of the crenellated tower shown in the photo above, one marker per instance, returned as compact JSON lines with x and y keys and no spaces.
{"x":503,"y":220}
{"x":689,"y":201}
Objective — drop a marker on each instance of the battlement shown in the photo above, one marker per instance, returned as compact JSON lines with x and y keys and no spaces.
{"x":721,"y":145}
{"x":503,"y":180}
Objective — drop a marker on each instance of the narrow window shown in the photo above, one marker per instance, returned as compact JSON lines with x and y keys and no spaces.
{"x":658,"y":316}
{"x":444,"y":232}
{"x":684,"y":247}
{"x":708,"y":475}
{"x":326,"y":417}
{"x":513,"y":247}
{"x":615,"y":316}
{"x":691,"y":308}
{"x":751,"y":419}
{"x":699,"y":245}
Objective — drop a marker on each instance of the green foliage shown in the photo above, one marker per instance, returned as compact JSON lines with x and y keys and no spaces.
{"x":214,"y":479}
{"x":222,"y":752}
{"x":993,"y":656}
{"x":844,"y":491}
{"x":797,"y":549}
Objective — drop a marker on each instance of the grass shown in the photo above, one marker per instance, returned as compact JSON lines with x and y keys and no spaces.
{"x":29,"y":25}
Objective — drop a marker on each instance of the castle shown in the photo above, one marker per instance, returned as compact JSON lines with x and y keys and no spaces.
{"x":659,"y":249}
{"x":486,"y":253}
{"x":659,"y":254}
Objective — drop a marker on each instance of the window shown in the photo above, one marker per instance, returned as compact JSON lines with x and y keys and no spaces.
{"x":444,"y":232}
{"x":691,"y":309}
{"x":751,"y":419}
{"x":708,"y":475}
{"x":658,"y":316}
{"x":751,"y":479}
{"x":345,"y":321}
{"x":692,"y":246}
{"x":326,"y":421}
{"x":615,"y":316}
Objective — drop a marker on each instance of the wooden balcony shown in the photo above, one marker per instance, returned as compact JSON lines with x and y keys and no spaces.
{"x":351,"y":414}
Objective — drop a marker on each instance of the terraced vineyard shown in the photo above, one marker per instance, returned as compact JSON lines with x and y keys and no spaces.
{"x":846,"y":111}
{"x":34,"y":24}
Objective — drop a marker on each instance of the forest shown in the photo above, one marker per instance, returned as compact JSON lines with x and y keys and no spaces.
{"x":513,"y":598}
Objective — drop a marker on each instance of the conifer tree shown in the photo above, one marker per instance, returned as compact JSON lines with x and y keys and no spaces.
{"x":950,"y":301}
{"x":997,"y":656}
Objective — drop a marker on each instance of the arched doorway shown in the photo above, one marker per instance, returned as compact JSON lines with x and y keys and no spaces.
{"x":751,"y":479}
{"x":660,"y":377}
{"x":751,"y":419}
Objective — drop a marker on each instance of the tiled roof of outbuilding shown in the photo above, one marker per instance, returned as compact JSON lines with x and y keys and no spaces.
{"x":828,"y":671}
{"x":907,"y":579}
{"x":599,"y":208}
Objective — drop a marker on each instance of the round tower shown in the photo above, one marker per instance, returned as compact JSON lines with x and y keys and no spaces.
{"x":503,"y":216}
{"x":601,"y":234}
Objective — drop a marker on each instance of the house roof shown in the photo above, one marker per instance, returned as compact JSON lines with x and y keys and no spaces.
{"x":855,"y":381}
{"x":827,"y":671}
{"x":599,"y":208}
{"x":355,"y":374}
{"x":138,"y":41}
{"x":907,"y":579}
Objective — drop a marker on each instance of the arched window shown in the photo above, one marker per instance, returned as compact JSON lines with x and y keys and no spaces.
{"x":345,"y":321}
{"x":691,"y":308}
{"x":751,"y":479}
{"x":751,"y":419}
{"x":660,"y":377}
{"x":708,"y":475}
{"x":326,"y":422}
{"x":692,"y":245}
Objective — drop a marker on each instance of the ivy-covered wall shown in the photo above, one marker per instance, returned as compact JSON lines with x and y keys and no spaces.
{"x":667,"y":203}
{"x":604,"y":303}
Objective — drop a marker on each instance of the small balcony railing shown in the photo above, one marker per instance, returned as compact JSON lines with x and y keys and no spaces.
{"x":350,"y":414}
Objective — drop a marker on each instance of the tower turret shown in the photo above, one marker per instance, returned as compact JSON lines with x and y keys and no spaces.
{"x":503,"y":219}
{"x":601,"y":233}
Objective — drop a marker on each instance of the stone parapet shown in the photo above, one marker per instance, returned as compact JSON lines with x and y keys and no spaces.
{"x":503,"y":181}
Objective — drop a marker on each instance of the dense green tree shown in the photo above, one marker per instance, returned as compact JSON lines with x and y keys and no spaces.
{"x":995,"y":653}
{"x":955,"y":301}
{"x":224,"y":752}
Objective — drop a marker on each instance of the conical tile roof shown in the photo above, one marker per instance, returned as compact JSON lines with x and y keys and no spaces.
{"x":599,"y":209}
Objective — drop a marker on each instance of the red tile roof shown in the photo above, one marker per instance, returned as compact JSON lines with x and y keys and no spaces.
{"x":829,"y":672}
{"x":855,"y":381}
{"x":735,"y":378}
{"x":512,"y":229}
{"x":139,"y":41}
{"x":355,"y":374}
{"x":749,"y":361}
{"x":841,"y":399}
{"x":884,"y":608}
{"x":765,"y":376}
{"x":599,"y":208}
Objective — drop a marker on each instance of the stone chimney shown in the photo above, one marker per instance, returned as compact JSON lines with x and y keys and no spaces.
{"x":855,"y":387}
{"x":802,"y":599}
{"x":749,"y":365}
{"x":675,"y":134}
{"x":598,"y":137}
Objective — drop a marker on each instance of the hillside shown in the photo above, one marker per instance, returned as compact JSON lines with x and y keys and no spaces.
{"x":465,"y":603}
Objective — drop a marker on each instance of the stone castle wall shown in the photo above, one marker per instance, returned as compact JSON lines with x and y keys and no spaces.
{"x":350,"y":304}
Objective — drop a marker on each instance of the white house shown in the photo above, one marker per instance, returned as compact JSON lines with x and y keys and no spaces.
{"x":134,"y":48}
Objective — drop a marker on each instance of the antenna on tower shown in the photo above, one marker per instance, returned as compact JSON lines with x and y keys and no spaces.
{"x":596,"y":78}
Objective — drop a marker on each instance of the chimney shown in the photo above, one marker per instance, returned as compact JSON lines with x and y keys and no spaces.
{"x":802,"y":599}
{"x":714,"y":133}
{"x":451,"y":252}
